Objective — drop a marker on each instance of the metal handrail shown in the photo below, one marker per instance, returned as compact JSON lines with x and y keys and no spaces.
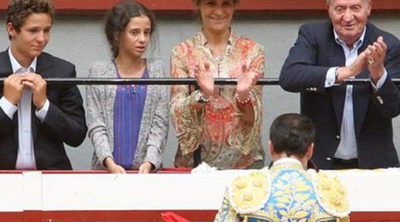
{"x":169,"y":81}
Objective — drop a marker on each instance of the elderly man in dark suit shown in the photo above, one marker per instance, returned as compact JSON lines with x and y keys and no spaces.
{"x":36,"y":119}
{"x":354,"y":122}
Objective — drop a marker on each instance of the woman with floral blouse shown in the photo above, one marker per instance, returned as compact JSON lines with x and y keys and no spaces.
{"x":219,"y":125}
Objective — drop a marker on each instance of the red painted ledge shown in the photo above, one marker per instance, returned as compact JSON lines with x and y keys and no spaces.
{"x":161,"y":171}
{"x":173,"y":7}
{"x":155,"y":216}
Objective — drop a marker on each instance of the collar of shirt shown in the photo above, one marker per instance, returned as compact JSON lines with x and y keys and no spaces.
{"x":286,"y":163}
{"x":15,"y":64}
{"x":287,"y":160}
{"x":356,"y":45}
{"x":201,"y":38}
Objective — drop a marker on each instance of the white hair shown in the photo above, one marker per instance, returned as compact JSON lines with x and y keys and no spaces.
{"x":328,"y":2}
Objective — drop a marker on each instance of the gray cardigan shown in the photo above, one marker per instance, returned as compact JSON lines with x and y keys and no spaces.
{"x":100,"y":116}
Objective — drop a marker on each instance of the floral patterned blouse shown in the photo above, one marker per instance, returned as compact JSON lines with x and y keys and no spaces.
{"x":226,"y":139}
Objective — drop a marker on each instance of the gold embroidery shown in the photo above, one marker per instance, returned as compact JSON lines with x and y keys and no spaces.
{"x":287,"y":192}
{"x":331,"y":194}
{"x":250,"y":192}
{"x":293,"y":195}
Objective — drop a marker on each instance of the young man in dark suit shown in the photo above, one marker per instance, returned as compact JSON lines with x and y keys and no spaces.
{"x":354,"y":122}
{"x":36,"y":118}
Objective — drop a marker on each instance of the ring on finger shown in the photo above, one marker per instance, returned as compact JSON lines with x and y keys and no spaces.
{"x":371,"y":61}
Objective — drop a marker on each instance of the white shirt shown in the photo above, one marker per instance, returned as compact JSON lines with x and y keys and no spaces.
{"x":26,"y":155}
{"x":347,"y":148}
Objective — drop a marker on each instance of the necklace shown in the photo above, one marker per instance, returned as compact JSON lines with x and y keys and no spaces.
{"x":219,"y":59}
{"x":132,"y":88}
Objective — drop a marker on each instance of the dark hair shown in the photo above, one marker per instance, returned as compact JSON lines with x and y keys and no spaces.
{"x":19,"y":10}
{"x":118,"y":18}
{"x":292,"y":133}
{"x":197,"y":2}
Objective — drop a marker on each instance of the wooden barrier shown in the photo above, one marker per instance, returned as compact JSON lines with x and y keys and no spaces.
{"x":102,"y":197}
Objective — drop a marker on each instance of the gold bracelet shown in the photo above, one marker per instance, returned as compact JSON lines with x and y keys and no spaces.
{"x":245,"y":101}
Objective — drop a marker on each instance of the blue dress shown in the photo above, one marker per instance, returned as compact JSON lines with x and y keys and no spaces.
{"x":128,"y":112}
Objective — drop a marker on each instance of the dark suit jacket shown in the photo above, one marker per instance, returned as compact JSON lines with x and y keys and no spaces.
{"x":314,"y":52}
{"x":64,"y":122}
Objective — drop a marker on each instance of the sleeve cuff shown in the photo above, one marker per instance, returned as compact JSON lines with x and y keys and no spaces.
{"x":103,"y":159}
{"x":41,"y":113}
{"x":8,"y":108}
{"x":153,"y":157}
{"x":380,"y":82}
{"x":330,"y":77}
